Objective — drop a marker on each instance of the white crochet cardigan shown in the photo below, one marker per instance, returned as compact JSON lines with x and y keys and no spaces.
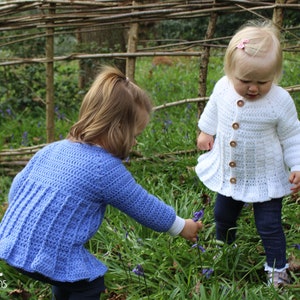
{"x":256,"y":144}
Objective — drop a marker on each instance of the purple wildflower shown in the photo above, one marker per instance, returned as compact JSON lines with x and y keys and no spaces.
{"x":60,"y":116}
{"x":25,"y":138}
{"x":199,"y":247}
{"x":138,"y":270}
{"x":297,"y":246}
{"x":168,"y":122}
{"x":207,"y":272}
{"x":198,"y":215}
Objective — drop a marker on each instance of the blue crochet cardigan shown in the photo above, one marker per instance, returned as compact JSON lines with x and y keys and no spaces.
{"x":57,"y":203}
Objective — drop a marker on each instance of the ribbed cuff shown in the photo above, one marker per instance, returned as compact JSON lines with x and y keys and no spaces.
{"x":177,"y":226}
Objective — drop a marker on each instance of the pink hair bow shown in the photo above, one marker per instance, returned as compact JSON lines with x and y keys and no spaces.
{"x":242,"y":43}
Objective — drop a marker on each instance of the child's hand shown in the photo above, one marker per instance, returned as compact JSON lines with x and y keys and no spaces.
{"x":190,"y":230}
{"x":205,"y":141}
{"x":295,"y":180}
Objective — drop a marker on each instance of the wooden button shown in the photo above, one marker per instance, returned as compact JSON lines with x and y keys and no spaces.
{"x":240,"y":103}
{"x":232,"y":143}
{"x":232,"y":164}
{"x":233,"y":180}
{"x":235,"y":126}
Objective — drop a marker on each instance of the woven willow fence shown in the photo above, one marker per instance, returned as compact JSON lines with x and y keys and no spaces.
{"x":59,"y":17}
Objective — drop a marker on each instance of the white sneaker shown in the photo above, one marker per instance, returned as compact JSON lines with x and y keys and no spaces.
{"x":276,"y":278}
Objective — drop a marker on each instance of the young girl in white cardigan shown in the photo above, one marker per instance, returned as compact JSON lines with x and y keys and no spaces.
{"x":251,"y":129}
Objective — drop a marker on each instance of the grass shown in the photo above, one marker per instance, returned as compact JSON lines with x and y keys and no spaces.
{"x":173,"y":269}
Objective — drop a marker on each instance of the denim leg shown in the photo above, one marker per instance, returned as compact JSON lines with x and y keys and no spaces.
{"x":268,"y":223}
{"x":227,"y":211}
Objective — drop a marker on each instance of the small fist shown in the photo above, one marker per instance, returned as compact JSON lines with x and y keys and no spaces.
{"x":191,"y":229}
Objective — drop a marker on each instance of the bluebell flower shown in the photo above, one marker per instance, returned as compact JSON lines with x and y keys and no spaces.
{"x":60,"y":116}
{"x":207,"y":272}
{"x":199,"y":247}
{"x":168,"y":122}
{"x":198,"y":215}
{"x":25,"y":138}
{"x":138,"y":270}
{"x":297,"y":246}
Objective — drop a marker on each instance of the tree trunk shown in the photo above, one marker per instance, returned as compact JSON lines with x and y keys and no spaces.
{"x":133,"y":37}
{"x":91,"y":40}
{"x":50,"y":127}
{"x":204,"y":60}
{"x":278,"y":14}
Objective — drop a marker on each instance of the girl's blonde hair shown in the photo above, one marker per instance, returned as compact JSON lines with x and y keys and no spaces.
{"x":110,"y":113}
{"x":255,"y":40}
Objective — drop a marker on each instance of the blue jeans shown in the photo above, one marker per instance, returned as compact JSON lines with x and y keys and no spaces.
{"x":268,"y":224}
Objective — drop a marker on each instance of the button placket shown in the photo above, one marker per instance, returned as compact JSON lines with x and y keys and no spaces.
{"x":232,"y":165}
{"x":233,"y":143}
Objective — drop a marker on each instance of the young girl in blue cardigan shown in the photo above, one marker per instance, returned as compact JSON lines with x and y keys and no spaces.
{"x":58,"y":201}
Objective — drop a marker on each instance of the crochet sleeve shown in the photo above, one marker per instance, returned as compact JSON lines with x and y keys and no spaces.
{"x":288,"y":130}
{"x":120,"y":190}
{"x":209,"y":118}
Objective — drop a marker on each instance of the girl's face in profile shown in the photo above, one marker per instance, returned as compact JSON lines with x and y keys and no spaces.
{"x":253,"y":81}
